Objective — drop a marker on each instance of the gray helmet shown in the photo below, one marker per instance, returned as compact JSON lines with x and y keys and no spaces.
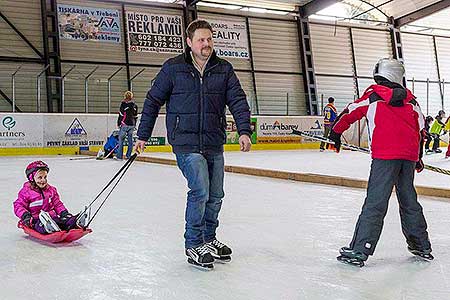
{"x":391,"y":69}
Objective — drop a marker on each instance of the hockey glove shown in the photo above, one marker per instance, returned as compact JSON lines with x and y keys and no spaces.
{"x":420,"y":166}
{"x":27,"y":219}
{"x":336,"y":138}
{"x":64,"y":216}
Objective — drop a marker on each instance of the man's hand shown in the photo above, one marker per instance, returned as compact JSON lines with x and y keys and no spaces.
{"x":139,"y":146}
{"x":245,"y":143}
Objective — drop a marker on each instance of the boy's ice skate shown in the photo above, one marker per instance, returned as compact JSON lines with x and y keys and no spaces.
{"x":200,"y":257}
{"x":48,"y":223}
{"x":424,"y":254}
{"x":351,"y":257}
{"x":219,"y":251}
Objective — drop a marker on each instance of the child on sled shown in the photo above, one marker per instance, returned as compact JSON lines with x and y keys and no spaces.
{"x":39,"y":206}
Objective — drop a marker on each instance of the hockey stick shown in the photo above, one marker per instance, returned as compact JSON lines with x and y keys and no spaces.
{"x":360,"y":149}
{"x":80,"y":158}
{"x":326,"y":140}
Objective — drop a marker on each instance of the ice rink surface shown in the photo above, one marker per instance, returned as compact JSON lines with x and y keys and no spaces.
{"x":285,"y":236}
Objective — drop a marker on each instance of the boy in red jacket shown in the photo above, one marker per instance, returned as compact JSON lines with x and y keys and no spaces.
{"x":394,"y":122}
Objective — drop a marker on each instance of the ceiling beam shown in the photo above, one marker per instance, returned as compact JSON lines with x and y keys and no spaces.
{"x":191,"y":2}
{"x":421,"y":13}
{"x":315,"y":6}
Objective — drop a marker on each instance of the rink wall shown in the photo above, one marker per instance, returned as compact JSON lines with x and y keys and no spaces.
{"x":46,"y":134}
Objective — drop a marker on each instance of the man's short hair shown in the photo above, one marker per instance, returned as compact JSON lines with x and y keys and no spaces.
{"x":330,"y":100}
{"x":197,"y":24}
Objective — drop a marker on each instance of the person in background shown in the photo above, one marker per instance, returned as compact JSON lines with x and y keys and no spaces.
{"x":126,"y":122}
{"x":435,"y":131}
{"x":427,"y":134}
{"x":329,"y":115}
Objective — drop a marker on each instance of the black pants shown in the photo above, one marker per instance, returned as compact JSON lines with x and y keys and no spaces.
{"x":384,"y":175}
{"x":436,"y":141}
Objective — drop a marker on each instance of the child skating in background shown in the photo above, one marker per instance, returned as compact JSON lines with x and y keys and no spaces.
{"x":39,"y":206}
{"x":427,"y":134}
{"x":435,"y":131}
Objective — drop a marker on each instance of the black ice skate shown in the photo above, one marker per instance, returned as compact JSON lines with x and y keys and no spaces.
{"x":200,"y":257}
{"x":351,"y":257}
{"x":424,"y":254}
{"x":219,"y":251}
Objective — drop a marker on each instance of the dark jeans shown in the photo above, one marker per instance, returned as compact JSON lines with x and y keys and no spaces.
{"x":384,"y":175}
{"x":326,"y":132}
{"x":204,"y":174}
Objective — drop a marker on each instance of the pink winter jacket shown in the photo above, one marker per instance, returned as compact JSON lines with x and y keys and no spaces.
{"x":30,"y":199}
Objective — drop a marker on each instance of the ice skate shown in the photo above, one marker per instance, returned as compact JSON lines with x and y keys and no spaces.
{"x":351,"y":257}
{"x":82,"y":219}
{"x":219,"y":251}
{"x":48,"y":223}
{"x":424,"y":254}
{"x":200,"y":257}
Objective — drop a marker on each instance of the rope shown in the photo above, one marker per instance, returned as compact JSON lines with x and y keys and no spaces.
{"x":120,"y":173}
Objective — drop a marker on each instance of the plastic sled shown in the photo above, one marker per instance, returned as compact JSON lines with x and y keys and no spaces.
{"x":56,"y":237}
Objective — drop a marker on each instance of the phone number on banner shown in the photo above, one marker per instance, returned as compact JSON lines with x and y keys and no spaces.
{"x":157,"y":41}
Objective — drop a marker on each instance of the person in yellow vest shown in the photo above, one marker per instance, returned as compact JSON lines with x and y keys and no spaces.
{"x":435,"y":131}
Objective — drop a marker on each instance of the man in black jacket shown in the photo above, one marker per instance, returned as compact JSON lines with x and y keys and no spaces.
{"x":126,"y":122}
{"x":196,"y":87}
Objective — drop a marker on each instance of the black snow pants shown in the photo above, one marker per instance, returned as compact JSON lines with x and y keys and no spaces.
{"x":384,"y":175}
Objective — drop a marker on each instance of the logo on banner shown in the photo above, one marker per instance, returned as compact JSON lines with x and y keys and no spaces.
{"x":8,"y":122}
{"x":277,"y":126}
{"x":318,"y":127}
{"x":75,"y":129}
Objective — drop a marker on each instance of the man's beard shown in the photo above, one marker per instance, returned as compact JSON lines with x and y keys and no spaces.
{"x":205,"y":52}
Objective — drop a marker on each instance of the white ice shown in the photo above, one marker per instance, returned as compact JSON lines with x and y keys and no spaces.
{"x":285,"y":236}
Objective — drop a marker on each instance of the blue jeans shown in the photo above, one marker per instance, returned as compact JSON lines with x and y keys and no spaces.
{"x":204,"y":174}
{"x":127,"y":131}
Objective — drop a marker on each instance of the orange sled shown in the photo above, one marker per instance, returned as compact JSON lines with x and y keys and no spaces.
{"x":56,"y":237}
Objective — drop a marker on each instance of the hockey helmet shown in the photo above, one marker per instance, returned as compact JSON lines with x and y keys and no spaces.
{"x":391,"y":69}
{"x":128,"y":95}
{"x":33,"y":167}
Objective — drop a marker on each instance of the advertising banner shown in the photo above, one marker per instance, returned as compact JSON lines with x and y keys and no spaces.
{"x":81,"y":23}
{"x":230,"y":38}
{"x":154,"y":32}
{"x":20,"y":130}
{"x":71,"y":130}
{"x":278,"y":129}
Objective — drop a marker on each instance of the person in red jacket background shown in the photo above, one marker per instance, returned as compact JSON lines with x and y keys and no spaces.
{"x":394,"y":122}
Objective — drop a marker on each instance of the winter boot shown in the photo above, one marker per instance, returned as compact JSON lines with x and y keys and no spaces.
{"x":200,"y":256}
{"x":219,"y":251}
{"x":352,"y":257}
{"x":48,"y":223}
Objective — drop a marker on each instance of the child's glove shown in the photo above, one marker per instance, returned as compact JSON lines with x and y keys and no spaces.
{"x":336,"y":138}
{"x":27,"y":219}
{"x":419,"y":166}
{"x":64,"y":216}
